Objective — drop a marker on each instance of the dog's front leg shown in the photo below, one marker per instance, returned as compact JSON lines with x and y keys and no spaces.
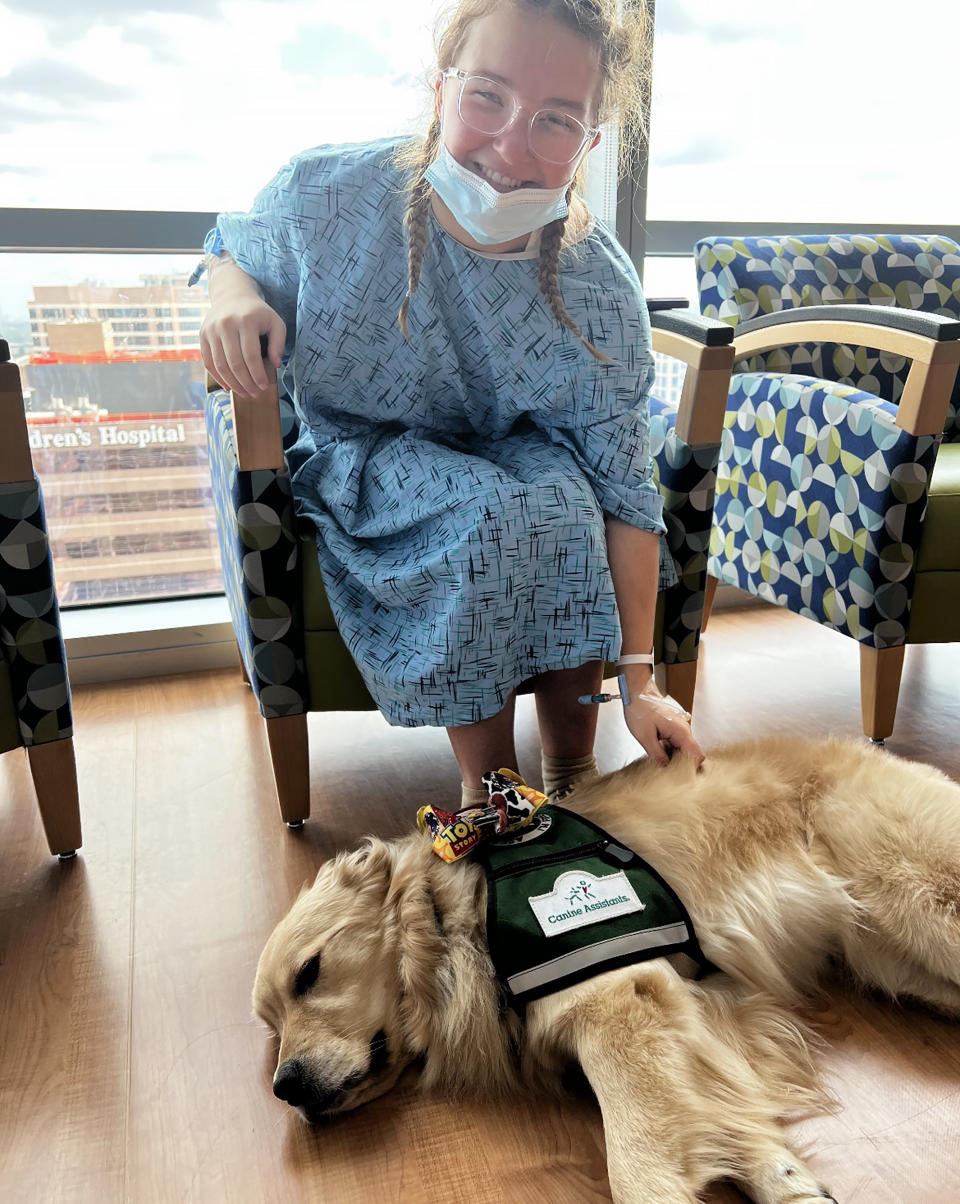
{"x":622,"y":1028}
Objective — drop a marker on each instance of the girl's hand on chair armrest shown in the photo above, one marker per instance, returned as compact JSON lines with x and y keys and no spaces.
{"x":230,"y":341}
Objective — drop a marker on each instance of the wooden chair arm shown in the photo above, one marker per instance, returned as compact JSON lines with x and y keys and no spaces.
{"x":256,"y":427}
{"x":922,"y":409}
{"x":16,"y":463}
{"x":703,"y":399}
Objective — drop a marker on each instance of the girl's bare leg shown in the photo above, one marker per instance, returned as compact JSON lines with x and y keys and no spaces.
{"x":567,"y":727}
{"x":486,"y":745}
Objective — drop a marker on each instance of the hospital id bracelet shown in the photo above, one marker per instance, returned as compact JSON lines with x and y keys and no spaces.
{"x":635,"y":658}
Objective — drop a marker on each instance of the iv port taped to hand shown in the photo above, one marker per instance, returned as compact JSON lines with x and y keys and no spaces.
{"x":625,"y":698}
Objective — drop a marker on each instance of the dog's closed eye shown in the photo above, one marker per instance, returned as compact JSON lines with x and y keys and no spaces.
{"x":306,"y":976}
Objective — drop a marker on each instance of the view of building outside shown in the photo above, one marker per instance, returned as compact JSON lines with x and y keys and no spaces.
{"x":113,"y":387}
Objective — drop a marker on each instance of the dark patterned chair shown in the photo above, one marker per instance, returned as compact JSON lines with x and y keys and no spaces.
{"x":291,"y":652}
{"x":838,"y":493}
{"x":35,"y":709}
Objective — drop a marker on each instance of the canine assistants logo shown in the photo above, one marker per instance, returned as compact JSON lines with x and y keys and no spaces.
{"x":579,"y":898}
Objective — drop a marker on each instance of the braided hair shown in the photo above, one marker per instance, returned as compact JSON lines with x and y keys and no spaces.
{"x":416,"y":216}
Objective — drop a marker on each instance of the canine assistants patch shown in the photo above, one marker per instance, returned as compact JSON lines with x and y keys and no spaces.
{"x":569,"y":901}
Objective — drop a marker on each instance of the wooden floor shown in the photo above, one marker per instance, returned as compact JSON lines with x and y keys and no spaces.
{"x":131,"y":1068}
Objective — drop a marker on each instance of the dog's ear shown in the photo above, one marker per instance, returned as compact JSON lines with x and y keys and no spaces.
{"x":421,"y":958}
{"x":369,"y":866}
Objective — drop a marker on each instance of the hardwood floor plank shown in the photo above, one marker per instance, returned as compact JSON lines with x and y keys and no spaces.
{"x":64,"y":987}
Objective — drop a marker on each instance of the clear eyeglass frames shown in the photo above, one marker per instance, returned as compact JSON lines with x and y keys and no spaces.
{"x":490,"y":108}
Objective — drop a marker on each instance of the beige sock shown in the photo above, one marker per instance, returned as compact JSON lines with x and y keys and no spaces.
{"x":473,"y":796}
{"x":566,"y":771}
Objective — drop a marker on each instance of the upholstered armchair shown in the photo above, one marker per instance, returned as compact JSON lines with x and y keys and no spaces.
{"x":35,"y":712}
{"x":838,"y":492}
{"x":291,"y":652}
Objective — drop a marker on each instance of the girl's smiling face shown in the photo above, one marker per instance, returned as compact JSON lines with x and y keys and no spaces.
{"x":547,"y":66}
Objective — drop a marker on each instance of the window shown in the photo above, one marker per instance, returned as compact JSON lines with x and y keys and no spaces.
{"x":115,"y":425}
{"x":768,"y":113}
{"x":768,"y":119}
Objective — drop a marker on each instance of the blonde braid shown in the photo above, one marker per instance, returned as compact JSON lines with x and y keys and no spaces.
{"x":415,"y":219}
{"x":551,"y":241}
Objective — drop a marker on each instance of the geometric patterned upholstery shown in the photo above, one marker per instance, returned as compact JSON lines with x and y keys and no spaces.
{"x":260,"y":558}
{"x":821,"y":497}
{"x":31,"y":644}
{"x":820,"y":502}
{"x":35,"y":705}
{"x":686,"y":477}
{"x":743,"y":278}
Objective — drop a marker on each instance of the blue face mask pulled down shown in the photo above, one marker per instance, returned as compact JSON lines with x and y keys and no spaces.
{"x":488,"y":216}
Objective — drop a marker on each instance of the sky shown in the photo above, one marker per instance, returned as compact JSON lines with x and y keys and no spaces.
{"x":829,"y":110}
{"x":193,"y":104}
{"x":762,"y":110}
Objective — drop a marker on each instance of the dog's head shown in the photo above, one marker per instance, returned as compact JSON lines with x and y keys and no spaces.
{"x":328,"y":984}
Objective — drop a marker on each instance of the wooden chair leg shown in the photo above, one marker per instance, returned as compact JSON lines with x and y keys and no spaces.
{"x":243,"y":667}
{"x":53,"y":767}
{"x":709,"y":592}
{"x":880,"y":670}
{"x":289,"y":752}
{"x":680,"y":681}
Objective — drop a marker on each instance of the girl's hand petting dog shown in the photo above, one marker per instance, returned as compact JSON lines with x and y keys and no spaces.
{"x":659,"y":724}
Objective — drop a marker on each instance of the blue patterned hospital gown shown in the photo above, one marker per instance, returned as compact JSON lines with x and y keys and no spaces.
{"x":457,"y":482}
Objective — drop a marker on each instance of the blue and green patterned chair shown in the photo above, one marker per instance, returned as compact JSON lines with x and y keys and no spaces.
{"x":291,"y":652}
{"x":35,"y":712}
{"x":838,"y":493}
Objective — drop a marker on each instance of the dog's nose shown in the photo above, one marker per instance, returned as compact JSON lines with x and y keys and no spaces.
{"x":288,"y":1082}
{"x":294,"y":1084}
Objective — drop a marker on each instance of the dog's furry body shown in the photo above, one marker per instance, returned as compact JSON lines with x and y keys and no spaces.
{"x":788,"y":856}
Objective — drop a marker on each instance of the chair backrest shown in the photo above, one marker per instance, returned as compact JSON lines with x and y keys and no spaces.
{"x":742,"y":278}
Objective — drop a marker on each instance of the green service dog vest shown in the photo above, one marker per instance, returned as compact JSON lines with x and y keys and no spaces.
{"x":566,"y":901}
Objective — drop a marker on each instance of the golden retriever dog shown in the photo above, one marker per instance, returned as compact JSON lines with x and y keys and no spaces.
{"x":791,"y":858}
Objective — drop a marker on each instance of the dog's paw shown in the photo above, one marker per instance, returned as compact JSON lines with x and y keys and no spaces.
{"x":801,"y":1193}
{"x":785,"y":1180}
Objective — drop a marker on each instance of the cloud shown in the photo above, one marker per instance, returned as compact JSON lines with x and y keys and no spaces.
{"x":11,"y":169}
{"x":44,"y":91}
{"x":60,"y":83}
{"x":176,"y":156}
{"x":702,"y":148}
{"x":685,"y":17}
{"x":14,"y":117}
{"x":163,"y":48}
{"x":111,"y":10}
{"x":325,"y":50}
{"x":64,"y":22}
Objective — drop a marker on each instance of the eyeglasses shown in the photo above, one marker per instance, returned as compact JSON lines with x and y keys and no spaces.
{"x":491,"y":108}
